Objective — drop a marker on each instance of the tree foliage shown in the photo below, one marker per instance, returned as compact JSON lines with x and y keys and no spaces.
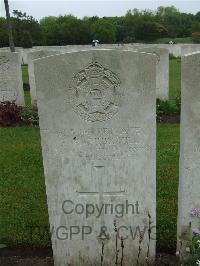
{"x":4,"y":41}
{"x":134,"y":26}
{"x":27,"y":40}
{"x":196,"y":37}
{"x":104,"y":31}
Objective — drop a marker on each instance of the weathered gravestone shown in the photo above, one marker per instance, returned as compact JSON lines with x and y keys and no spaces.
{"x":162,"y":70}
{"x":11,"y":85}
{"x":189,"y":183}
{"x":189,"y":48}
{"x":30,"y":57}
{"x":97,"y":114}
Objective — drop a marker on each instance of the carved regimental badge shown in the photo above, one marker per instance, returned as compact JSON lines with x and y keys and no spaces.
{"x":95,"y":93}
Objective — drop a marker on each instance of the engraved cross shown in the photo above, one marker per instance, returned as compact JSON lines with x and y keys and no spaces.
{"x":99,"y":174}
{"x":99,"y":170}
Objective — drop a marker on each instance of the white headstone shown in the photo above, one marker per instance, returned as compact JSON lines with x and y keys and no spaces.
{"x":30,"y":57}
{"x":162,"y":71}
{"x":97,"y":113}
{"x":189,"y":48}
{"x":189,"y":183}
{"x":11,"y":85}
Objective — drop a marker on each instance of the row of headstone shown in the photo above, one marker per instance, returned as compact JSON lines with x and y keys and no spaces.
{"x":189,"y":48}
{"x":30,"y":58}
{"x":176,"y":50}
{"x":162,"y":77}
{"x":98,"y":132}
{"x":162,"y":69}
{"x":11,"y":85}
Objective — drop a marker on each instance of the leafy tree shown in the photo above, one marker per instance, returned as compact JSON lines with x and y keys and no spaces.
{"x":27,"y":40}
{"x":49,"y":29}
{"x":164,"y":12}
{"x":130,"y":21}
{"x":197,"y":16}
{"x":148,"y":31}
{"x":3,"y":33}
{"x":196,"y":26}
{"x":135,"y":26}
{"x":104,"y":31}
{"x":11,"y":42}
{"x":22,"y":23}
{"x":177,"y":24}
{"x":196,"y":37}
{"x":73,"y":30}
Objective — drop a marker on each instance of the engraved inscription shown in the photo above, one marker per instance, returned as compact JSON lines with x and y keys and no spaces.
{"x":105,"y":143}
{"x":95,"y":93}
{"x":99,"y":174}
{"x":7,"y":93}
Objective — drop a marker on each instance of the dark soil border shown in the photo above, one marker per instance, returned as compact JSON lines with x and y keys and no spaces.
{"x":170,"y":119}
{"x":163,"y":119}
{"x":43,"y":256}
{"x":26,"y":87}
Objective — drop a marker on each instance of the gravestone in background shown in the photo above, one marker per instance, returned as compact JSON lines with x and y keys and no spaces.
{"x":162,"y":71}
{"x":32,"y":56}
{"x":11,"y":85}
{"x":97,"y":113}
{"x":189,"y":183}
{"x":189,"y":48}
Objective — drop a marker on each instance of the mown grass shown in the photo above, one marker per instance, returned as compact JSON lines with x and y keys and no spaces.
{"x":174,"y":79}
{"x":25,"y":79}
{"x":23,"y":201}
{"x":167,"y":183}
{"x":25,"y":74}
{"x":27,"y":98}
{"x":22,"y":190}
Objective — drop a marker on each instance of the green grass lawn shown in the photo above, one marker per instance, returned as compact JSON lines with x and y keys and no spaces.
{"x":22,"y":190}
{"x":167,"y":183}
{"x":25,"y":74}
{"x":25,"y":79}
{"x":27,"y":98}
{"x":174,"y":79}
{"x":23,"y":201}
